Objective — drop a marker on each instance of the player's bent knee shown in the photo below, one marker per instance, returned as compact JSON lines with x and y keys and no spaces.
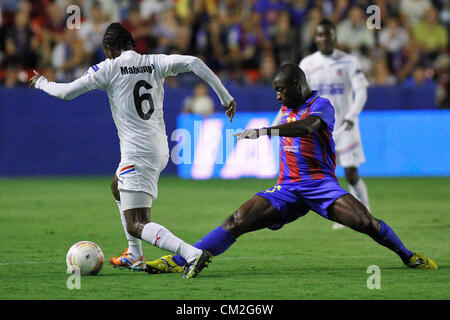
{"x":134,"y":230}
{"x":234,"y":224}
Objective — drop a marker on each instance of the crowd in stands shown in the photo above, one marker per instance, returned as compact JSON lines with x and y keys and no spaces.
{"x":243,"y":41}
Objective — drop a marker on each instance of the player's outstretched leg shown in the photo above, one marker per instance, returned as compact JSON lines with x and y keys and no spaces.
{"x":348,"y":211}
{"x":257,"y":213}
{"x":357,"y":188}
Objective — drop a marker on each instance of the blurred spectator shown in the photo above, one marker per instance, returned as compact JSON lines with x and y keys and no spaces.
{"x":141,"y":30}
{"x":389,"y":8}
{"x":340,"y":11}
{"x":52,"y":31}
{"x":67,"y":57}
{"x":285,"y":39}
{"x":413,"y":11}
{"x":299,"y":11}
{"x":352,"y":33}
{"x":307,"y":30}
{"x":441,"y":67}
{"x":444,"y":14}
{"x":410,"y":57}
{"x":11,"y":75}
{"x":165,"y":31}
{"x":267,"y":68}
{"x":380,"y":75}
{"x":152,"y":8}
{"x":392,"y":38}
{"x":200,"y":103}
{"x":418,"y":78}
{"x":91,"y":34}
{"x":20,"y":42}
{"x":431,"y":35}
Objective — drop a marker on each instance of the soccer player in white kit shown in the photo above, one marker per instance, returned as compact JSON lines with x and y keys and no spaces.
{"x":134,"y":84}
{"x":338,"y":77}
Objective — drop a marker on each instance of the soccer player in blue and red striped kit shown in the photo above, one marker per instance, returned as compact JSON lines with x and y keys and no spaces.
{"x":306,"y":181}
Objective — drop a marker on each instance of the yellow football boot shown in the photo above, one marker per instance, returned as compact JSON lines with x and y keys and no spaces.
{"x":419,"y":261}
{"x":165,"y":264}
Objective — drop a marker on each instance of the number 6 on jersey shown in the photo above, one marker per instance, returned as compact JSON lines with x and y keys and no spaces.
{"x":139,"y":99}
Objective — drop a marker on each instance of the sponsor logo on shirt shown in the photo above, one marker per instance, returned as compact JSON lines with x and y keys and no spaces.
{"x":331,"y":88}
{"x":293,"y":148}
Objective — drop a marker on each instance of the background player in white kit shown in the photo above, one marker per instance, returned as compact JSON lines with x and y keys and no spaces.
{"x":339,"y":78}
{"x":134,"y":84}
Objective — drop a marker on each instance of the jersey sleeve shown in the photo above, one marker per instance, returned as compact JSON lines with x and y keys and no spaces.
{"x":97,"y":76}
{"x":67,"y":91}
{"x":323,"y":109}
{"x":171,"y":65}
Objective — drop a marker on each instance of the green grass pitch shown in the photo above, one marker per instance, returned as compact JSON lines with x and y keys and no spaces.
{"x":41,"y":218}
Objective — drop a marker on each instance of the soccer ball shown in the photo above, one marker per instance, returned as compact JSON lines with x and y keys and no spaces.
{"x":85,"y":258}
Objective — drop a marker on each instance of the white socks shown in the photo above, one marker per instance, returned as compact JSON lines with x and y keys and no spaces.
{"x":134,"y":244}
{"x":359,"y":191}
{"x":162,"y":238}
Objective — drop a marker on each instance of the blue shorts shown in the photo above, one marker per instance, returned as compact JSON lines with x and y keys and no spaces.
{"x":294,"y":200}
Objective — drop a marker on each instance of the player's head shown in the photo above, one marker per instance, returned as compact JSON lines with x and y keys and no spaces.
{"x":290,"y":85}
{"x":325,"y":36}
{"x":116,"y":40}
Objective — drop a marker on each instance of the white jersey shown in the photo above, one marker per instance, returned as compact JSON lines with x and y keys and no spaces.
{"x":336,"y":77}
{"x":134,"y":83}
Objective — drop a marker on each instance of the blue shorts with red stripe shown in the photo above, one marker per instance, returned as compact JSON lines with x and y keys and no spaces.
{"x":294,"y":200}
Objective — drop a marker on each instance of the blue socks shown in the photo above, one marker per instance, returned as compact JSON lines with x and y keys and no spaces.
{"x":217,"y":242}
{"x":389,"y":239}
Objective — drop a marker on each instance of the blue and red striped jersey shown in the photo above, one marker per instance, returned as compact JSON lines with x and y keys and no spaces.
{"x":311,"y":157}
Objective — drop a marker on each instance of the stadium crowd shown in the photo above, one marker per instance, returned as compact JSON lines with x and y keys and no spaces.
{"x":243,"y":41}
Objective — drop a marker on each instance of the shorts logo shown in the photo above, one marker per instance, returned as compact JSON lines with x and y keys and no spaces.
{"x":126,"y":170}
{"x":273,"y":189}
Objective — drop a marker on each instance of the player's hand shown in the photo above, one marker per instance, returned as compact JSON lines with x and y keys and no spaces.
{"x":247,"y":134}
{"x":348,"y":124}
{"x":34,"y":79}
{"x":230,"y":110}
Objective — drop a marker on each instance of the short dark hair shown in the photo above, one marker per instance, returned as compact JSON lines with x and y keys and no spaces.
{"x":117,"y":37}
{"x":326,"y":22}
{"x":290,"y":71}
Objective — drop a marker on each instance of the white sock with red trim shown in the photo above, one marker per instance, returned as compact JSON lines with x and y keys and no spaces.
{"x":161,"y":237}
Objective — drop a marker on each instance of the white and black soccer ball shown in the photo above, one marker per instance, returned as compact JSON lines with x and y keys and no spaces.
{"x":85,"y":258}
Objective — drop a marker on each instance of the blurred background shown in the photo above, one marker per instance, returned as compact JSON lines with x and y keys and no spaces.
{"x":404,"y":124}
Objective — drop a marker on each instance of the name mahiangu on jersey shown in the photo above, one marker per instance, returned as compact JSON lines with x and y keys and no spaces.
{"x":136,"y":70}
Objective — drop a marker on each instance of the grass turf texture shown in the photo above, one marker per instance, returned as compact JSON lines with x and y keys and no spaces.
{"x":41,"y":218}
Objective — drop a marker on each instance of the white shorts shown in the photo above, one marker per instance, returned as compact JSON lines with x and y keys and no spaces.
{"x":138,"y":180}
{"x":349,"y":150}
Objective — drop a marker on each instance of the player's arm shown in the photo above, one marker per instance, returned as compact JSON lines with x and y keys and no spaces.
{"x":96,"y":77}
{"x":186,"y":63}
{"x":359,"y":100}
{"x":299,"y":128}
{"x":359,"y":86}
{"x":65,"y":91}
